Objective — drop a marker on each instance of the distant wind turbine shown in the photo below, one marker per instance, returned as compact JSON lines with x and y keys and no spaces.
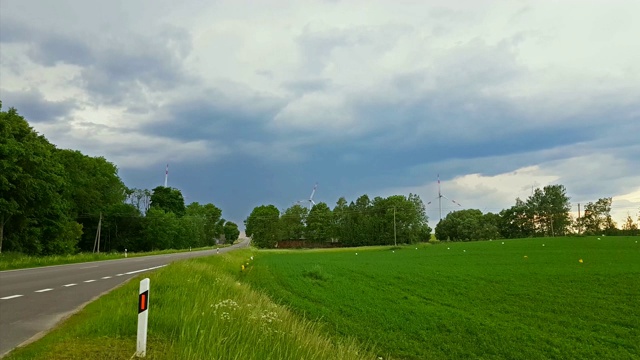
{"x":310,"y":200}
{"x":440,"y":196}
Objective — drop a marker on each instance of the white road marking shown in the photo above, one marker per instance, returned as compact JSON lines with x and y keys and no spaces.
{"x":10,"y":297}
{"x":69,"y":285}
{"x":151,"y":268}
{"x":88,"y":281}
{"x":43,"y":290}
{"x":106,"y":277}
{"x":89,"y":267}
{"x":119,"y":274}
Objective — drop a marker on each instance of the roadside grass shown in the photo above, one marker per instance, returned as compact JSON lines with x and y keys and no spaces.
{"x":13,"y":261}
{"x":511,"y":299}
{"x":198,"y":309}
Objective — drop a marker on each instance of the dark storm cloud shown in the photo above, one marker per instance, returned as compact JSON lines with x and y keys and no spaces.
{"x":216,"y":116}
{"x":34,"y":107}
{"x":46,"y":47}
{"x":114,"y":72}
{"x":126,"y":68}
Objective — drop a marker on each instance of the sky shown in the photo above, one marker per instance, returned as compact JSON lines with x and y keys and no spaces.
{"x":253,"y":102}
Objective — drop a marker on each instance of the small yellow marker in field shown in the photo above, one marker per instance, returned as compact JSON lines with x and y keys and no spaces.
{"x":243,"y":266}
{"x":526,"y":257}
{"x":580,"y":261}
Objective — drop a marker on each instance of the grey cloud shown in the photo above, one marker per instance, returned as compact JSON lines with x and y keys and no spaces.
{"x":46,"y":47}
{"x":309,"y":85}
{"x":120,"y":73}
{"x":317,"y":47}
{"x":217,"y":115}
{"x":34,"y":107}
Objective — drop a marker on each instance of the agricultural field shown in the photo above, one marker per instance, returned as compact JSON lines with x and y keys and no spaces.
{"x":198,"y":309}
{"x":513,"y":299}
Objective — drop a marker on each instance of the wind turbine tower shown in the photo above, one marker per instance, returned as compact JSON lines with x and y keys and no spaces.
{"x":166,"y":175}
{"x":440,"y":196}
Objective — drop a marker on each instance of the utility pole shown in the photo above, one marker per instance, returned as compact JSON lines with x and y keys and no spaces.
{"x":96,"y":242}
{"x":395,"y":240}
{"x":579,"y":225}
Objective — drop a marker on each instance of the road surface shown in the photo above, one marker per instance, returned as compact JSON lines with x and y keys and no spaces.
{"x":32,"y":301}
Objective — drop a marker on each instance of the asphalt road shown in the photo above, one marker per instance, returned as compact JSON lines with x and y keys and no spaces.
{"x":32,"y":301}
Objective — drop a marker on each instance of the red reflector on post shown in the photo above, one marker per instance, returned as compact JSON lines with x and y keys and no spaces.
{"x":143,"y":301}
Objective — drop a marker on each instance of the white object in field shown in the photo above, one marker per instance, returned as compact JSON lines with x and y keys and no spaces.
{"x":542,"y":244}
{"x":143,"y":318}
{"x":503,"y":243}
{"x":356,"y":253}
{"x":125,"y":252}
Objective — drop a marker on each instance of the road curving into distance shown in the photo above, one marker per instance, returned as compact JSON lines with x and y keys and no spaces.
{"x":32,"y":301}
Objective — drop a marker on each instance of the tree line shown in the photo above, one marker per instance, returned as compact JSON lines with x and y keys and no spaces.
{"x":381,"y":221}
{"x":57,"y":201}
{"x":402,"y":220}
{"x":545,"y":213}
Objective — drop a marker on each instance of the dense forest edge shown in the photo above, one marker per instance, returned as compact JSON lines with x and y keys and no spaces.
{"x":60,"y":201}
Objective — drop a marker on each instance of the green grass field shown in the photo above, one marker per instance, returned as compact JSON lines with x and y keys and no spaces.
{"x":197,"y":310}
{"x":517,"y":300}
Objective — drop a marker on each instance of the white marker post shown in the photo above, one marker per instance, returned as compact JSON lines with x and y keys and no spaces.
{"x":143,"y":318}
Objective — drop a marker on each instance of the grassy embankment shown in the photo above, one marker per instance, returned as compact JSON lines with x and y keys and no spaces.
{"x":517,"y":300}
{"x":13,"y":261}
{"x":512,"y":299}
{"x":198,"y":310}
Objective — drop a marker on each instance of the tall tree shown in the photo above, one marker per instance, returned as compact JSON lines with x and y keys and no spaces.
{"x":516,"y":221}
{"x":292,"y":222}
{"x":262,"y":225}
{"x":231,"y":232}
{"x":93,"y":186}
{"x":550,"y":210}
{"x":33,"y":214}
{"x":209,"y":217}
{"x":597,"y":216}
{"x":341,"y":228}
{"x":319,"y":222}
{"x":629,"y":227}
{"x":168,"y":199}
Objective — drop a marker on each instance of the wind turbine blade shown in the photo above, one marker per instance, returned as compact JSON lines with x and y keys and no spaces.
{"x":453,"y":201}
{"x":313,"y":191}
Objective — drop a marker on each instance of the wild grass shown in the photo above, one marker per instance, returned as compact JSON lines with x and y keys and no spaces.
{"x":198,"y":309}
{"x":13,"y":261}
{"x":574,"y":298}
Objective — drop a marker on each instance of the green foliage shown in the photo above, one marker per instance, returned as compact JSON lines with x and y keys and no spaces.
{"x":33,"y":213}
{"x":319,"y":223}
{"x":263,"y":226}
{"x":490,"y":301}
{"x":292,"y":222}
{"x":52,"y":200}
{"x":597,"y":218}
{"x":168,"y":199}
{"x":365,"y":222}
{"x":211,"y":315}
{"x":231,"y":232}
{"x":549,"y":211}
{"x":468,"y":225}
